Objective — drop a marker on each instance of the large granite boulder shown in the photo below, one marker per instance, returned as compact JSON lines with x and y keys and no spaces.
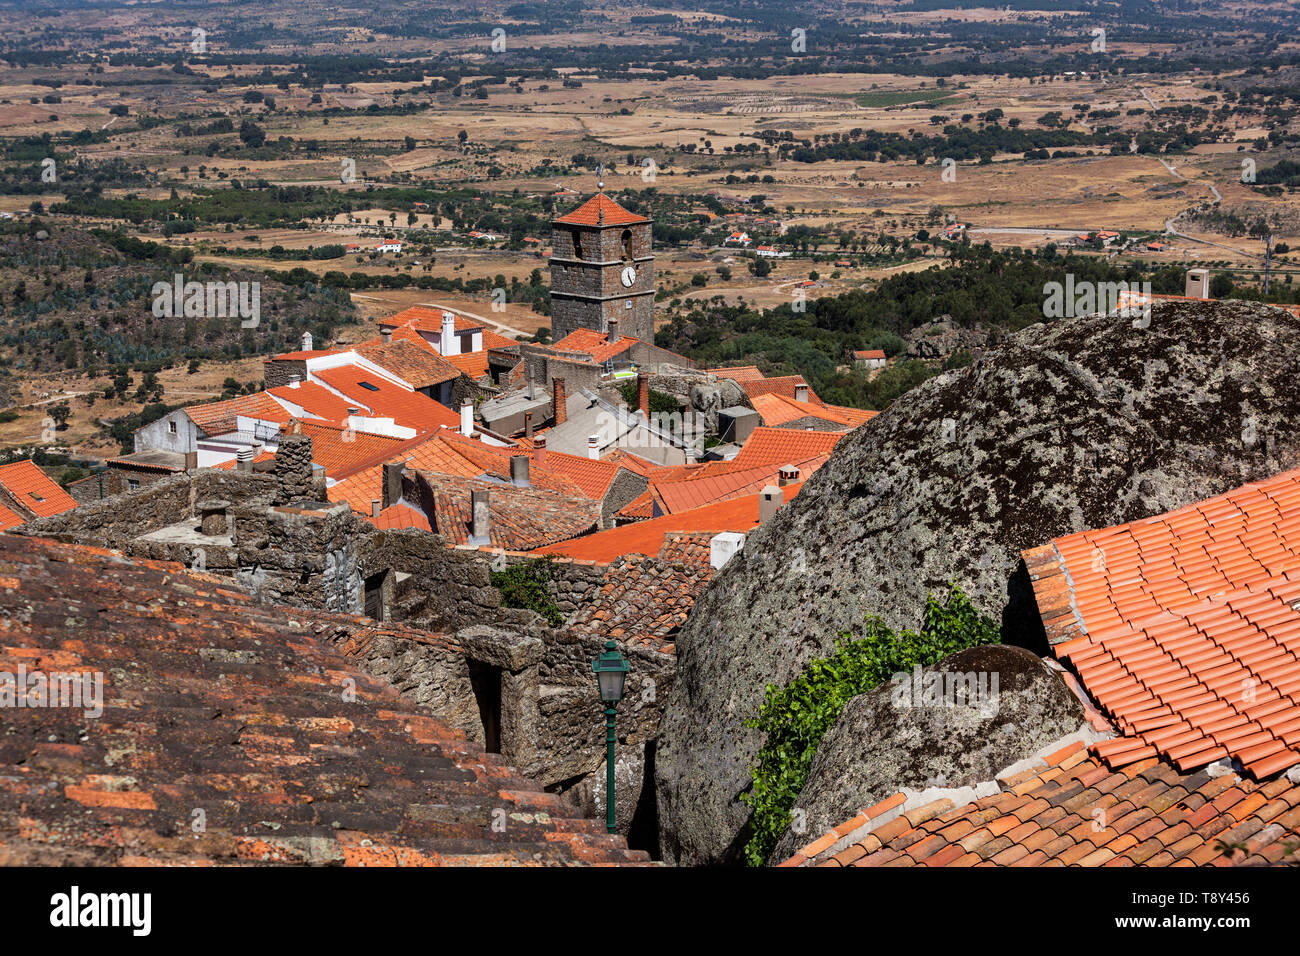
{"x":955,"y":724}
{"x":1082,"y":423}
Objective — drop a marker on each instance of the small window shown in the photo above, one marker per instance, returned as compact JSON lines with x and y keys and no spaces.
{"x":132,"y":484}
{"x":171,"y":427}
{"x":35,"y":496}
{"x":577,"y":244}
{"x":369,"y":386}
{"x":627,"y":243}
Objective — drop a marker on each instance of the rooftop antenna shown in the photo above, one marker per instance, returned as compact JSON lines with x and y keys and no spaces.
{"x":600,"y":176}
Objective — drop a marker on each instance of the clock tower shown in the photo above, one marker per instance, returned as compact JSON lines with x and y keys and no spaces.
{"x":602,"y":268}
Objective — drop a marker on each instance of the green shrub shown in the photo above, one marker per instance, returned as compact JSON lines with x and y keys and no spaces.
{"x":796,"y":717}
{"x":525,"y":586}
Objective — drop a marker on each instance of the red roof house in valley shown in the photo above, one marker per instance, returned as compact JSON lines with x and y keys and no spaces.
{"x":1185,"y":628}
{"x":26,"y":492}
{"x":600,"y":210}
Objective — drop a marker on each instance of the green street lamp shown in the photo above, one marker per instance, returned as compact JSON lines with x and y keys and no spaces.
{"x":610,"y":669}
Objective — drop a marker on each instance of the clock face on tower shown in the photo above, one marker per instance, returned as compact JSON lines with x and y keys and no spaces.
{"x":629,"y":276}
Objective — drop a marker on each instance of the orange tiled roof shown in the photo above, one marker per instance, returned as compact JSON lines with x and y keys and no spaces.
{"x":386,"y":399}
{"x":781,"y":385}
{"x":1069,"y":810}
{"x":10,"y":520}
{"x":593,"y":343}
{"x":34,"y":490}
{"x":428,"y":320}
{"x":520,"y":519}
{"x":869,"y":353}
{"x":235,"y":707}
{"x":778,"y":410}
{"x":493,"y":340}
{"x":647,"y":537}
{"x":1185,"y":627}
{"x":644,"y":602}
{"x":308,"y":354}
{"x":777,"y":446}
{"x":314,"y":399}
{"x":419,"y":367}
{"x":739,"y":373}
{"x":676,"y":496}
{"x":340,"y":450}
{"x":216,"y":418}
{"x":473,"y":364}
{"x":600,"y":210}
{"x":399,"y":516}
{"x":639,"y":508}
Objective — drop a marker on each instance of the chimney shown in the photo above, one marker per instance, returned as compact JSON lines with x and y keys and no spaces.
{"x":449,"y":343}
{"x":376,"y":506}
{"x":789,"y":474}
{"x":612,"y":334}
{"x":1198,"y":283}
{"x":528,"y":424}
{"x":393,"y":482}
{"x":801,"y":392}
{"x":558,"y":399}
{"x":519,"y":471}
{"x":306,"y":341}
{"x":480,"y":529}
{"x":593,"y":446}
{"x":244,"y":460}
{"x":539,"y":452}
{"x":770,"y":500}
{"x":386,"y":336}
{"x":723,"y":547}
{"x":467,"y":419}
{"x":643,"y":394}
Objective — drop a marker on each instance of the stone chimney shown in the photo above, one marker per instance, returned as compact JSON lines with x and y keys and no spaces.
{"x":770,"y":500}
{"x":293,"y":468}
{"x":559,"y":398}
{"x":449,"y":343}
{"x":376,"y":506}
{"x":789,"y":474}
{"x":593,"y":446}
{"x":801,"y":393}
{"x":393,"y":482}
{"x":612,"y":334}
{"x":519,"y":471}
{"x":467,"y":419}
{"x":539,"y":453}
{"x":244,"y":460}
{"x":643,"y":394}
{"x":386,"y":336}
{"x":480,"y":518}
{"x":1198,"y":283}
{"x":306,"y":341}
{"x":528,"y":425}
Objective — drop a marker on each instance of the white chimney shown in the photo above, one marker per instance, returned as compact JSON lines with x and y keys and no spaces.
{"x":801,"y":393}
{"x":467,"y":419}
{"x":723,"y":547}
{"x":450,"y":344}
{"x":593,"y":446}
{"x":306,"y":341}
{"x":770,"y":500}
{"x":1198,"y":283}
{"x":294,"y":381}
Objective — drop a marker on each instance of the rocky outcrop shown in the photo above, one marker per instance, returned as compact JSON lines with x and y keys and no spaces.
{"x":955,"y":724}
{"x":1079,"y":424}
{"x":943,"y":337}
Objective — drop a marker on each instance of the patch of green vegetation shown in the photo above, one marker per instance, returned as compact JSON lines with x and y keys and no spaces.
{"x":525,"y":586}
{"x":796,"y":717}
{"x":898,"y":97}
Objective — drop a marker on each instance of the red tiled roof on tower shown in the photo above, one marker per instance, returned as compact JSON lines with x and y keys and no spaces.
{"x":1185,"y":627}
{"x":600,"y":210}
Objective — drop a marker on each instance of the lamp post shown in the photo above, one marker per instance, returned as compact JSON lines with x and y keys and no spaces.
{"x":610,"y":669}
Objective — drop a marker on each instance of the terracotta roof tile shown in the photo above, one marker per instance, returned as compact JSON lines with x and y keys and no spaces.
{"x":642,"y":601}
{"x":1185,"y":638}
{"x":600,"y":210}
{"x":236,"y":709}
{"x":34,"y":490}
{"x":419,"y":367}
{"x":520,"y":519}
{"x":386,"y":399}
{"x":217,"y":418}
{"x":776,"y":446}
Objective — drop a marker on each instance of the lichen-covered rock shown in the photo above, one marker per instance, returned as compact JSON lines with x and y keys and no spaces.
{"x":955,"y":724}
{"x":1079,"y":424}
